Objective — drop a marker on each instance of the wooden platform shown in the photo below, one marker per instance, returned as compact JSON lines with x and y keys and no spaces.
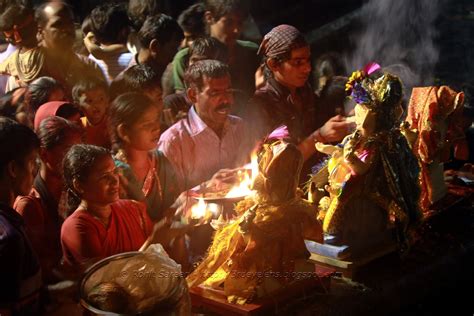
{"x":206,"y":300}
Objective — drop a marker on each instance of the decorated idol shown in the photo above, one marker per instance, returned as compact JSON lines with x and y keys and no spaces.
{"x":367,"y":191}
{"x":263,"y":250}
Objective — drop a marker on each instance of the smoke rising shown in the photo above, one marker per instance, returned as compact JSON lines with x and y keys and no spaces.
{"x":399,"y":35}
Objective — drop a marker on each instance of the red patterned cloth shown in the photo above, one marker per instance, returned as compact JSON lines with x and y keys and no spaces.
{"x":435,"y":113}
{"x":281,"y":40}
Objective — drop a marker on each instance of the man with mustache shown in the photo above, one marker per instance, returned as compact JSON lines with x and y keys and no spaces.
{"x":209,"y":139}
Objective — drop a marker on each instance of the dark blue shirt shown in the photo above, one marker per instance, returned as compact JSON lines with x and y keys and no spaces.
{"x":20,"y":273}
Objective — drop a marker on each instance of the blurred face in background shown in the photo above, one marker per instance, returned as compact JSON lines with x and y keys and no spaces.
{"x":25,"y":170}
{"x":58,"y":32}
{"x":53,"y":158}
{"x":145,"y":132}
{"x":226,"y":29}
{"x":94,"y":104}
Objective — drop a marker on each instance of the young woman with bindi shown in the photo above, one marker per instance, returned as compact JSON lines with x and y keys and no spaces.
{"x":134,"y":124}
{"x":146,"y":174}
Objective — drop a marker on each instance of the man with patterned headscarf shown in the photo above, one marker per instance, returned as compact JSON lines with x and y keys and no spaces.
{"x":286,"y":98}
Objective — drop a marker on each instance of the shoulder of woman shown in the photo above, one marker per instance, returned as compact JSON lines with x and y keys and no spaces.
{"x":26,"y":203}
{"x":131,"y":209}
{"x":78,"y":220}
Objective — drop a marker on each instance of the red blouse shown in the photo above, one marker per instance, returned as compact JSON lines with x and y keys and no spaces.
{"x":85,"y":239}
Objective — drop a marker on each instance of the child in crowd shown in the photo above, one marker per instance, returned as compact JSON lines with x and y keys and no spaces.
{"x":207,"y":48}
{"x":326,"y":67}
{"x":332,"y":100}
{"x":138,"y":11}
{"x":92,"y":97}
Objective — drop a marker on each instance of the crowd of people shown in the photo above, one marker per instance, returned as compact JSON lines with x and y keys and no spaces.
{"x":99,"y":141}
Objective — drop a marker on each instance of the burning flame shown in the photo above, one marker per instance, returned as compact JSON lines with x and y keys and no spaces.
{"x":214,"y":209}
{"x":246,"y":182}
{"x":199,"y":209}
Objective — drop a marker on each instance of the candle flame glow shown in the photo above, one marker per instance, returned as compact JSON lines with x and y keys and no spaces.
{"x":199,"y":209}
{"x":244,"y":187}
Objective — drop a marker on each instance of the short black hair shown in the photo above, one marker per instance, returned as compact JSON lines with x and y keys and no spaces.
{"x":209,"y":48}
{"x":67,"y":111}
{"x":137,"y":78}
{"x":191,"y":20}
{"x":329,"y":65}
{"x":139,"y":10}
{"x":194,"y":75}
{"x":4,"y":4}
{"x":53,"y":130}
{"x":86,"y":25}
{"x":14,"y":14}
{"x":16,"y":142}
{"x":11,"y":105}
{"x":161,"y":27}
{"x":108,"y":20}
{"x":87,"y":84}
{"x":39,"y":92}
{"x":334,"y":91}
{"x":219,"y":8}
